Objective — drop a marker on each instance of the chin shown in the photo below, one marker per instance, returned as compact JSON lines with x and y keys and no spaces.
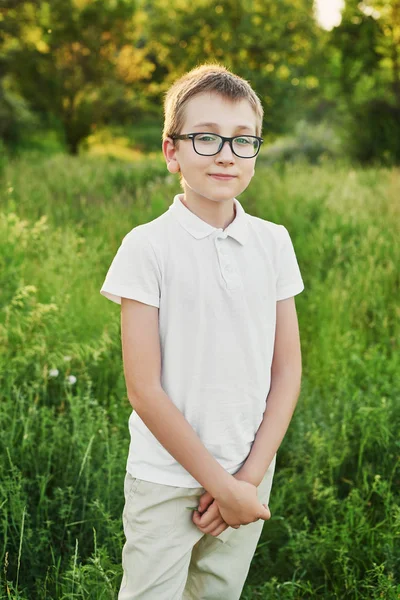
{"x":226,"y":194}
{"x":221,"y":196}
{"x":216,"y":191}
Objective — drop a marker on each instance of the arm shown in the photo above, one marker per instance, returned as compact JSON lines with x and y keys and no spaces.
{"x":142,"y":369}
{"x":283,"y":395}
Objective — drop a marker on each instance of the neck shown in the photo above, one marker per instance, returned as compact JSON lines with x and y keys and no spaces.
{"x":217,"y":213}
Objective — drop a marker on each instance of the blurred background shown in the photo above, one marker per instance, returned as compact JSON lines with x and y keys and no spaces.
{"x":81,"y":101}
{"x":89,"y":76}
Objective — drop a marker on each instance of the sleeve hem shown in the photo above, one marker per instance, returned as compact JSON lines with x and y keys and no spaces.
{"x":121,"y":292}
{"x":289,"y":291}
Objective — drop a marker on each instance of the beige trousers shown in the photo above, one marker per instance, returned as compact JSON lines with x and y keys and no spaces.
{"x":166,"y":557}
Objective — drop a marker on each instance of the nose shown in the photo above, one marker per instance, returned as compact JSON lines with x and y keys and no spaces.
{"x":225,"y":154}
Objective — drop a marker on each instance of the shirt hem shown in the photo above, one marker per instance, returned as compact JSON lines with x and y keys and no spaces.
{"x":289,"y":292}
{"x":117,"y":293}
{"x":155,"y":477}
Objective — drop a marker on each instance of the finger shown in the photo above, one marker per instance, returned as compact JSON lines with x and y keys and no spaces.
{"x":196,"y":517}
{"x":205,"y":505}
{"x":222,"y":528}
{"x":266,"y":513}
{"x":205,"y":522}
{"x":205,"y":501}
{"x":265,"y":516}
{"x":216,"y":524}
{"x":210,"y":515}
{"x":201,"y":520}
{"x":208,"y":518}
{"x":219,"y":529}
{"x":223,"y":523}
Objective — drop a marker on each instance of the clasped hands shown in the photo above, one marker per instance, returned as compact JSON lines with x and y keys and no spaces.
{"x":246,"y":510}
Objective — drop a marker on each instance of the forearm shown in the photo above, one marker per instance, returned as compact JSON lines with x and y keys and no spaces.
{"x":176,"y":435}
{"x":281,"y":402}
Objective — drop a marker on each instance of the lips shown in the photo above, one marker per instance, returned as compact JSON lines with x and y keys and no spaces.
{"x":222,"y":177}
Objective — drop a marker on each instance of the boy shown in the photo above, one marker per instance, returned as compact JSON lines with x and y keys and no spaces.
{"x":209,"y":330}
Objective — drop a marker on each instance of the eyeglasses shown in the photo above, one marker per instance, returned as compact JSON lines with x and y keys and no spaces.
{"x":209,"y":144}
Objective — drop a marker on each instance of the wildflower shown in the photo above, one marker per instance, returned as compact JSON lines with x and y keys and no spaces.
{"x":71,"y":379}
{"x":53,"y":373}
{"x":67,"y":358}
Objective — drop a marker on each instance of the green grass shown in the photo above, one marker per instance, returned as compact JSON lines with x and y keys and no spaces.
{"x":335,"y":526}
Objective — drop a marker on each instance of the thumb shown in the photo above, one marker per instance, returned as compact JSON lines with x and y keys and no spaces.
{"x":265,"y":512}
{"x":204,"y":502}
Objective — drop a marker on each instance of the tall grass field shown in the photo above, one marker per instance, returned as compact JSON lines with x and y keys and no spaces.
{"x":335,"y":502}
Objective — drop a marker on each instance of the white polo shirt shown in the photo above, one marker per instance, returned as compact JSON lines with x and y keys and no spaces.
{"x":216,"y":291}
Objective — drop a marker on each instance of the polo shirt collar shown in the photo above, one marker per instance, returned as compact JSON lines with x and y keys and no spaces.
{"x":238,"y":229}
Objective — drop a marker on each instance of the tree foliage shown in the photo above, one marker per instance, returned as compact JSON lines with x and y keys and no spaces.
{"x":270,"y":43}
{"x":368,"y":76}
{"x":69,"y":58}
{"x":89,"y":62}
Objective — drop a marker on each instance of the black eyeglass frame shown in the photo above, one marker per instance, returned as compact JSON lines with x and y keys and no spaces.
{"x":191,"y":136}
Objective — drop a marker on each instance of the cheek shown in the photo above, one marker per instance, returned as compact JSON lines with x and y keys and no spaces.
{"x":250,"y":170}
{"x":196,"y":165}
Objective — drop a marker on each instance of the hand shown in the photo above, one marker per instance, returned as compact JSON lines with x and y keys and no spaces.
{"x":239,"y":505}
{"x":210,"y":520}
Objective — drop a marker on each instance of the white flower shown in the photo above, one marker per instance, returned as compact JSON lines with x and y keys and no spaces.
{"x":53,"y":372}
{"x":71,"y":379}
{"x":67,"y":358}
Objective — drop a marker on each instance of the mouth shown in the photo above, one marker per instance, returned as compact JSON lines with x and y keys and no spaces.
{"x":223,"y":177}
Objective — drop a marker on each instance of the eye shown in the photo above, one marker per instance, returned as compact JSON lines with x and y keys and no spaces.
{"x":244,"y":141}
{"x":207,"y":137}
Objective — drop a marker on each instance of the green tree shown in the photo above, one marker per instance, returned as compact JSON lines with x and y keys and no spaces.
{"x":15,"y":116}
{"x":76,"y":60}
{"x":367,"y":48}
{"x":270,"y":43}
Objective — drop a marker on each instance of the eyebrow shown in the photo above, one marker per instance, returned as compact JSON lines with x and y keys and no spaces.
{"x":216,"y":125}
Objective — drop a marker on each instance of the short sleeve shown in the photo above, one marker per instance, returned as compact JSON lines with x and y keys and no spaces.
{"x":134,"y":272}
{"x":289,"y":281}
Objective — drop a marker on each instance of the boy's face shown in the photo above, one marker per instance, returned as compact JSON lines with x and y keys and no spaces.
{"x":212,"y":113}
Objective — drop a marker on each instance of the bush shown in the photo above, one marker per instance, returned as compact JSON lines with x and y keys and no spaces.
{"x":16,"y":117}
{"x":309,"y":142}
{"x":373,"y":133}
{"x":3,"y":157}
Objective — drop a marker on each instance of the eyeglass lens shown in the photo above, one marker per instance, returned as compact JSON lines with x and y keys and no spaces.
{"x":208,"y":144}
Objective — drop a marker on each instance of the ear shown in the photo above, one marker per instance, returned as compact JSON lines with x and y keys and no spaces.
{"x":169,"y":152}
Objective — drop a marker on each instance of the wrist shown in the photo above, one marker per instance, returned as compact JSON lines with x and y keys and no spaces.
{"x":226,"y":488}
{"x":244,"y":475}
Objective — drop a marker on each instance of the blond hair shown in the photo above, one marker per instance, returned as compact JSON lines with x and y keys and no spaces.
{"x":209,"y":77}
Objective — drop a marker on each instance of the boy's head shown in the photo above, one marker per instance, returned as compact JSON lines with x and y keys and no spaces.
{"x":211,"y":99}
